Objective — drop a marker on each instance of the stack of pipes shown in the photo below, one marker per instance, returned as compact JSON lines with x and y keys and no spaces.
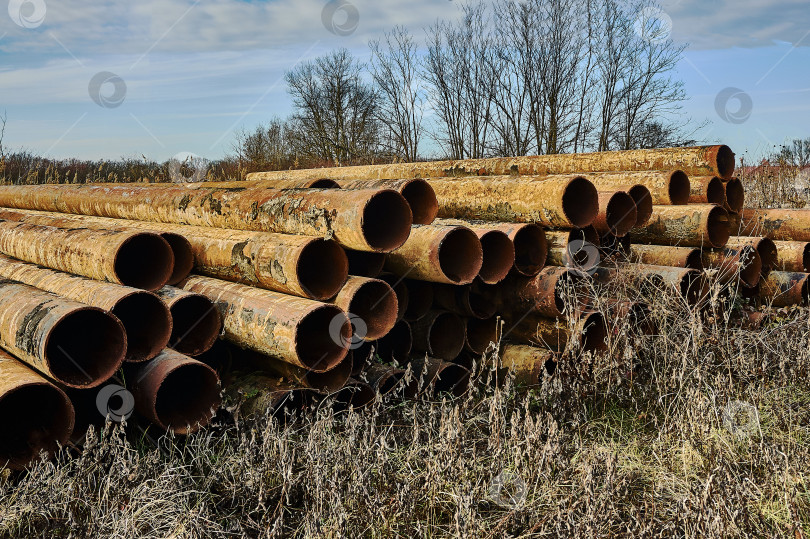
{"x":355,"y":281}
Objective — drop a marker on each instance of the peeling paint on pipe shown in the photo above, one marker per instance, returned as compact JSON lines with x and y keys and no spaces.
{"x":526,"y":363}
{"x":783,"y":289}
{"x":667,"y":255}
{"x":793,"y":256}
{"x":695,"y":225}
{"x":440,"y":254}
{"x":617,"y":213}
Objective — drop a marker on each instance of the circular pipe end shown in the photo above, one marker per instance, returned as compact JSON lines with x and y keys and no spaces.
{"x":187,"y":398}
{"x":531,"y":249}
{"x":147,"y":323}
{"x":375,"y":303}
{"x":323,"y":337}
{"x":387,"y":221}
{"x":498,"y":256}
{"x":735,"y":194}
{"x":196,"y":324}
{"x":453,"y":379}
{"x":461,"y":255}
{"x":183,"y":256}
{"x":725,"y":161}
{"x":594,"y":333}
{"x":324,"y":183}
{"x":679,"y":188}
{"x":693,"y":286}
{"x":716,"y":192}
{"x":621,"y":214}
{"x":333,"y":379}
{"x":644,"y":206}
{"x":480,"y":333}
{"x":144,"y":260}
{"x":322,"y":268}
{"x":694,"y":260}
{"x":750,"y":266}
{"x":580,"y":202}
{"x":355,"y":393}
{"x":718,"y":227}
{"x":446,"y":336}
{"x":422,"y":199}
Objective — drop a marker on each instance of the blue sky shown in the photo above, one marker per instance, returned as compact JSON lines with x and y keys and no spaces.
{"x":196,"y":71}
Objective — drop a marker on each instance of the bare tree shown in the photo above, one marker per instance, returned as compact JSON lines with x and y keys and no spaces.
{"x":267,"y":147}
{"x":336,"y":112}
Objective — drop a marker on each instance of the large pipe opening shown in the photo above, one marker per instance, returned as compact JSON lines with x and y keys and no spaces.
{"x":735,"y":194}
{"x":453,"y":379}
{"x":594,"y":333}
{"x":580,"y":202}
{"x":718,"y":227}
{"x":183,"y":256}
{"x":725,"y":161}
{"x":422,"y":200}
{"x":694,"y":260}
{"x":446,"y":336}
{"x":85,"y":347}
{"x":397,"y":344}
{"x":322,"y":268}
{"x":621,"y":214}
{"x":641,"y":320}
{"x":36,"y":417}
{"x":768,"y":255}
{"x":333,"y":379}
{"x":324,"y":183}
{"x":147,"y":323}
{"x":420,"y":299}
{"x":693,"y":286}
{"x":196,"y":324}
{"x":365,"y":263}
{"x":716,"y":192}
{"x":362,"y":356}
{"x":375,"y":303}
{"x":750,"y":266}
{"x":531,"y":249}
{"x":356,"y":394}
{"x":679,"y":188}
{"x":644,"y":206}
{"x":187,"y":398}
{"x":144,"y":261}
{"x":498,"y":256}
{"x":478,"y":301}
{"x":315,"y":345}
{"x":461,"y":255}
{"x":387,"y":221}
{"x":480,"y":333}
{"x":806,"y":257}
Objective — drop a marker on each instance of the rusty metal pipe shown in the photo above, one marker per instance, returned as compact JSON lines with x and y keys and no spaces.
{"x":637,"y":313}
{"x":363,"y":219}
{"x":480,"y":333}
{"x":498,"y":251}
{"x":695,"y":225}
{"x":588,"y":332}
{"x":783,"y":289}
{"x":306,"y":333}
{"x":688,"y":283}
{"x":644,"y":203}
{"x":707,"y":190}
{"x":555,"y":201}
{"x":365,"y":263}
{"x":176,"y":392}
{"x":716,"y":160}
{"x":137,"y":259}
{"x":666,"y":187}
{"x":528,"y":364}
{"x":254,"y":180}
{"x":196,"y":323}
{"x":331,"y":380}
{"x":741,"y":262}
{"x":544,"y":293}
{"x":617,"y":213}
{"x":72,"y":343}
{"x":437,"y":377}
{"x":397,"y":345}
{"x":765,"y":247}
{"x":356,"y":394}
{"x":531,"y":247}
{"x":667,"y":255}
{"x":397,"y":283}
{"x":466,"y":300}
{"x":35,"y":415}
{"x":776,"y":224}
{"x":735,"y":195}
{"x":440,"y":334}
{"x":257,"y":395}
{"x":371,"y":301}
{"x":362,"y":355}
{"x":793,"y":256}
{"x":440,"y":254}
{"x":419,"y":194}
{"x":420,"y":299}
{"x":390,"y":381}
{"x":146,"y":320}
{"x":574,"y":248}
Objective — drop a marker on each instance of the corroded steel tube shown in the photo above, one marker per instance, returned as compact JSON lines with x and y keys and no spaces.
{"x":196,"y":322}
{"x":437,"y":377}
{"x":355,"y":393}
{"x":420,"y":299}
{"x":776,"y":224}
{"x":577,"y":248}
{"x":617,"y":213}
{"x":180,"y":246}
{"x":735,"y":195}
{"x":637,"y":313}
{"x":365,"y":263}
{"x":644,"y":203}
{"x":138,"y":259}
{"x":615,"y":248}
{"x":35,"y":415}
{"x":176,"y":392}
{"x":545,"y":293}
{"x":783,"y":289}
{"x":254,"y":179}
{"x":669,"y":187}
{"x":765,"y":247}
{"x":257,"y":395}
{"x":364,"y":219}
{"x":145,"y":318}
{"x":497,"y":249}
{"x":440,"y":334}
{"x":667,"y":255}
{"x":688,"y":283}
{"x":300,"y":331}
{"x":741,"y":262}
{"x":370,"y":302}
{"x":397,"y":345}
{"x":695,"y":225}
{"x":397,"y":283}
{"x":440,"y":254}
{"x":466,"y":300}
{"x":554,"y":201}
{"x":793,"y":256}
{"x":707,"y":190}
{"x":419,"y":194}
{"x":480,"y":333}
{"x":588,"y":332}
{"x":72,"y":343}
{"x":527,"y":363}
{"x":387,"y":380}
{"x":331,"y":380}
{"x":698,"y":160}
{"x":362,"y":355}
{"x":531,"y":247}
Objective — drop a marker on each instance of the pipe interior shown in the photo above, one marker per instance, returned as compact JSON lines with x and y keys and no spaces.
{"x":187,"y":398}
{"x":144,"y":261}
{"x":446,"y":336}
{"x":644,"y":206}
{"x":806,"y":257}
{"x":580,"y":202}
{"x":85,"y":347}
{"x":397,"y":344}
{"x":453,"y":379}
{"x":362,"y":356}
{"x":36,"y":417}
{"x":621,"y":214}
{"x":196,"y":324}
{"x":716,"y":192}
{"x":420,"y":299}
{"x":768,"y":254}
{"x":595,"y":333}
{"x":375,"y":303}
{"x":387,"y":221}
{"x":693,"y":286}
{"x":461,"y":255}
{"x":725,"y":161}
{"x":316,"y":348}
{"x":365,"y":263}
{"x":147,"y":323}
{"x":422,"y":200}
{"x":531,"y":249}
{"x":718,"y":226}
{"x":333,"y":379}
{"x":390,"y":381}
{"x":480,"y":333}
{"x":324,"y":183}
{"x":750,"y":265}
{"x":679,"y":188}
{"x":735,"y":194}
{"x":498,"y":256}
{"x":694,"y":260}
{"x":323,"y":268}
{"x":357,"y":394}
{"x":183,"y":256}
{"x":641,"y":319}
